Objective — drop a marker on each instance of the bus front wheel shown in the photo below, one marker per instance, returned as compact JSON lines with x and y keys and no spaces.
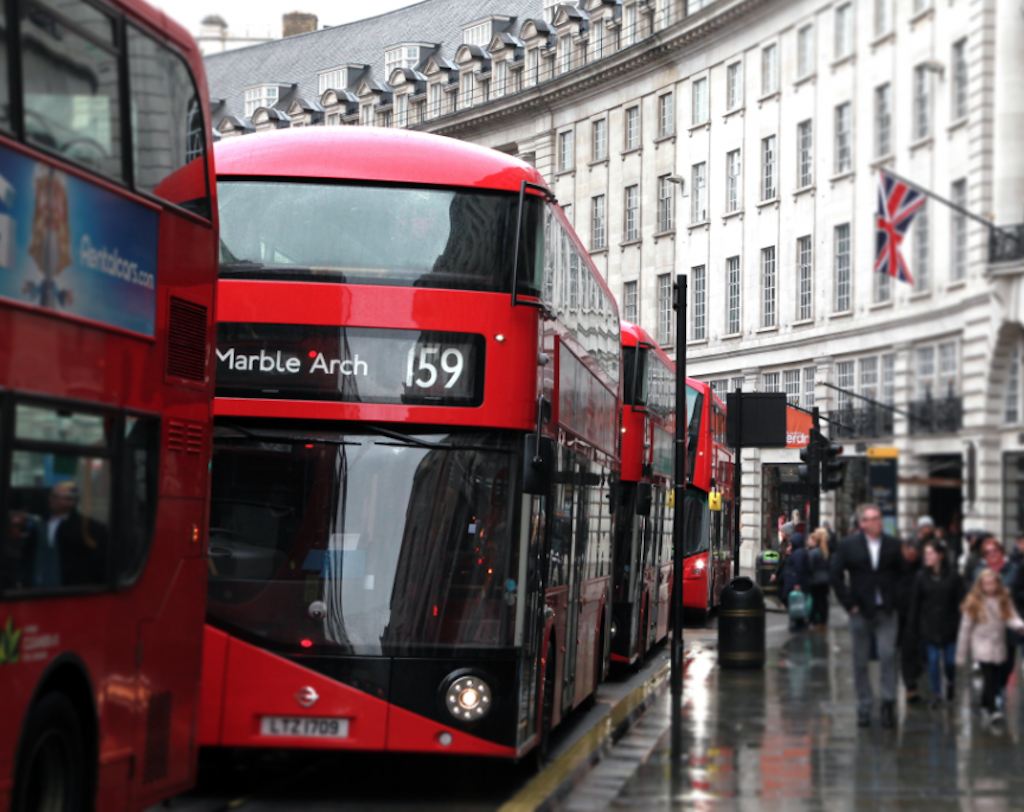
{"x":51,"y":765}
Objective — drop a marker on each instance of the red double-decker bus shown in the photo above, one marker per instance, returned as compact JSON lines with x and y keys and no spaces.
{"x":108,"y":267}
{"x":418,"y":382}
{"x":710,"y":502}
{"x":643,"y":532}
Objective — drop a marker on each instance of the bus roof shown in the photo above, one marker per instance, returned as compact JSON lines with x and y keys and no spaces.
{"x":633,"y":334}
{"x":372,"y":154}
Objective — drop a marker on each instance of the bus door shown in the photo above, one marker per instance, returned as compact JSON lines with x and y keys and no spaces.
{"x":529,"y":614}
{"x":576,"y":470}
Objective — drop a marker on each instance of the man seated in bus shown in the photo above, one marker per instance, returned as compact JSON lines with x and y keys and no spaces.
{"x":70,"y":549}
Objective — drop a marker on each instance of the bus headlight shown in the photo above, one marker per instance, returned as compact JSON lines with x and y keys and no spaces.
{"x":468,"y":698}
{"x":699,"y":564}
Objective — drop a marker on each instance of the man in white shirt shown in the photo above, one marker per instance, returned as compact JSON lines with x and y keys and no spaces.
{"x":873,"y":563}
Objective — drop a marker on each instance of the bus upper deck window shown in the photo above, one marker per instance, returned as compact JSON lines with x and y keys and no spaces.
{"x":168,"y":134}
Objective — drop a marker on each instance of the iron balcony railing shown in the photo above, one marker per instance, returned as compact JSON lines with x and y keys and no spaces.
{"x":869,"y":422}
{"x":1006,"y":244}
{"x":936,"y":416}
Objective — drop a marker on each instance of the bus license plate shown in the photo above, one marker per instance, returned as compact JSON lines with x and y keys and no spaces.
{"x":309,"y":726}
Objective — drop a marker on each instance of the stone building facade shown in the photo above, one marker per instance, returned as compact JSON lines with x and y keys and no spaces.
{"x":740,"y":143}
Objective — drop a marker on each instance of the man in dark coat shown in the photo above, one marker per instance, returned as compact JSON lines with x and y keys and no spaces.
{"x":874,"y":563}
{"x":68,"y":549}
{"x":911,"y":655}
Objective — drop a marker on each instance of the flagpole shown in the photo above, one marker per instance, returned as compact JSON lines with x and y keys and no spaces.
{"x":959,"y":209}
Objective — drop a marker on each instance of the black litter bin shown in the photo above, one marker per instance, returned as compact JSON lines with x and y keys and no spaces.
{"x":767,"y":565}
{"x":741,"y":625}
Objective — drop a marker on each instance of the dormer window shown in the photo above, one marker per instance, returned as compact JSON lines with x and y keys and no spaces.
{"x":401,"y":56}
{"x":549,"y":10}
{"x":477,"y":35}
{"x":332,"y":80}
{"x":260,"y":96}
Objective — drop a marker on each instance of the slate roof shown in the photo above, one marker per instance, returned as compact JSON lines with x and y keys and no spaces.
{"x":297,"y":59}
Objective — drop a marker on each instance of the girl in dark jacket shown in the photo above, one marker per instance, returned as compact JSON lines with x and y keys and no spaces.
{"x":935,"y":615}
{"x":817,"y":564}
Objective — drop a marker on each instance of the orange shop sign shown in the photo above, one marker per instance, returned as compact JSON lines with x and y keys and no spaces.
{"x":798,"y":428}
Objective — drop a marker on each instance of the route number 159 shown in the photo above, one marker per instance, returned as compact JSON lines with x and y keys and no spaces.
{"x":423,"y":361}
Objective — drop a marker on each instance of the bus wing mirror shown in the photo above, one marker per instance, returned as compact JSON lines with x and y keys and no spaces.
{"x":644,"y":497}
{"x":538,"y":465}
{"x":715,"y":502}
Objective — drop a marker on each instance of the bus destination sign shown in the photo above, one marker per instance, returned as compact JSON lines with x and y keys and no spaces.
{"x":349,"y":364}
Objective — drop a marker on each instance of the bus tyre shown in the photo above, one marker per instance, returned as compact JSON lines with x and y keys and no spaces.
{"x":51,"y":763}
{"x":543,"y":748}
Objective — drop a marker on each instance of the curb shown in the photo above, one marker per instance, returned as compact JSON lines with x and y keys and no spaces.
{"x":559,"y":778}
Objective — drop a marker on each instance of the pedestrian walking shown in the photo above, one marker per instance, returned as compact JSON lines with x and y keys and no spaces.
{"x":911,"y":649}
{"x":817,"y":563}
{"x":925,"y":529}
{"x":796,"y":578}
{"x":987,"y":615}
{"x":873,"y":563}
{"x":994,"y":558}
{"x":935,"y":616}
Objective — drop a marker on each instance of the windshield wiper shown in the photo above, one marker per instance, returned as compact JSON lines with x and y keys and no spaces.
{"x":407,"y":439}
{"x":284,"y":436}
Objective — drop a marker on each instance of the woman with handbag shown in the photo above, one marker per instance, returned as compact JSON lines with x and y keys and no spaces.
{"x":817,"y":563}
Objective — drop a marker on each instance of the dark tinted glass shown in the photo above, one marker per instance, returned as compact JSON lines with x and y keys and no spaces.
{"x":372,"y":235}
{"x":696,"y":523}
{"x":5,"y":92}
{"x":138,"y":485}
{"x":362,"y":544}
{"x":169,"y":138}
{"x":71,"y":93}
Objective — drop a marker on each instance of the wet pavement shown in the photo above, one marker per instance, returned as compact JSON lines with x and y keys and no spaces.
{"x":786,"y":737}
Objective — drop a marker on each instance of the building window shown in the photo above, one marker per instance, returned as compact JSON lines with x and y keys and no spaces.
{"x":666,"y":191}
{"x":565,"y":156}
{"x":805,"y":142}
{"x":735,"y":86}
{"x":632,"y":128}
{"x":769,"y":70}
{"x":844,"y":138}
{"x":600,"y":140}
{"x":922,"y":102}
{"x":869,"y":378}
{"x":805,"y":51}
{"x":791,"y":380}
{"x":567,"y":210}
{"x":477,"y":35}
{"x":665,"y":309}
{"x":960,"y":79}
{"x":883,"y":120}
{"x":925,"y":377}
{"x":882,"y":17}
{"x":959,"y":230}
{"x":331,"y":80}
{"x":733,"y":300}
{"x":846,"y":380}
{"x":666,"y":115}
{"x":630,"y":303}
{"x":844,"y":31}
{"x":737,"y":385}
{"x":768,"y":191}
{"x":700,"y":303}
{"x":467,"y":89}
{"x":257,"y":97}
{"x":768,"y":287}
{"x":598,"y":224}
{"x":1011,"y":407}
{"x":401,"y":109}
{"x":700,"y":101}
{"x":720,"y":387}
{"x":842,"y":265}
{"x":333,"y":120}
{"x":632,"y":213}
{"x":500,"y":77}
{"x":809,"y":375}
{"x":629,"y":26}
{"x":922,"y":250}
{"x":699,"y":194}
{"x":948,"y":364}
{"x":883,"y":287}
{"x":532,"y":66}
{"x":889,"y":379}
{"x":805,"y":300}
{"x":565,"y":54}
{"x":770,"y":382}
{"x":597,"y":39}
{"x":435,"y":100}
{"x":733,"y":171}
{"x":367,"y":117}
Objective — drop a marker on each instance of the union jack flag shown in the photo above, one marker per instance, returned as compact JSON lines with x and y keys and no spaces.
{"x":897,"y":205}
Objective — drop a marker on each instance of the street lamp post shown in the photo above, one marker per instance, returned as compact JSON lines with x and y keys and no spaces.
{"x":678,"y":536}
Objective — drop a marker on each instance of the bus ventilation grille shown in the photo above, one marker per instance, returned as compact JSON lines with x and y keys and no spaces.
{"x":186,"y":340}
{"x":158,"y":738}
{"x":186,"y":437}
{"x":618,"y":437}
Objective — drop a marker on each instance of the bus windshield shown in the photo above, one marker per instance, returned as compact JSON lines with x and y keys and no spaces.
{"x":363,"y":543}
{"x":376,"y":235}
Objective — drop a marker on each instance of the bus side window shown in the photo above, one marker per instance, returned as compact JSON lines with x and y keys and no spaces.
{"x":168,"y":134}
{"x":71,"y":76}
{"x":138,"y":484}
